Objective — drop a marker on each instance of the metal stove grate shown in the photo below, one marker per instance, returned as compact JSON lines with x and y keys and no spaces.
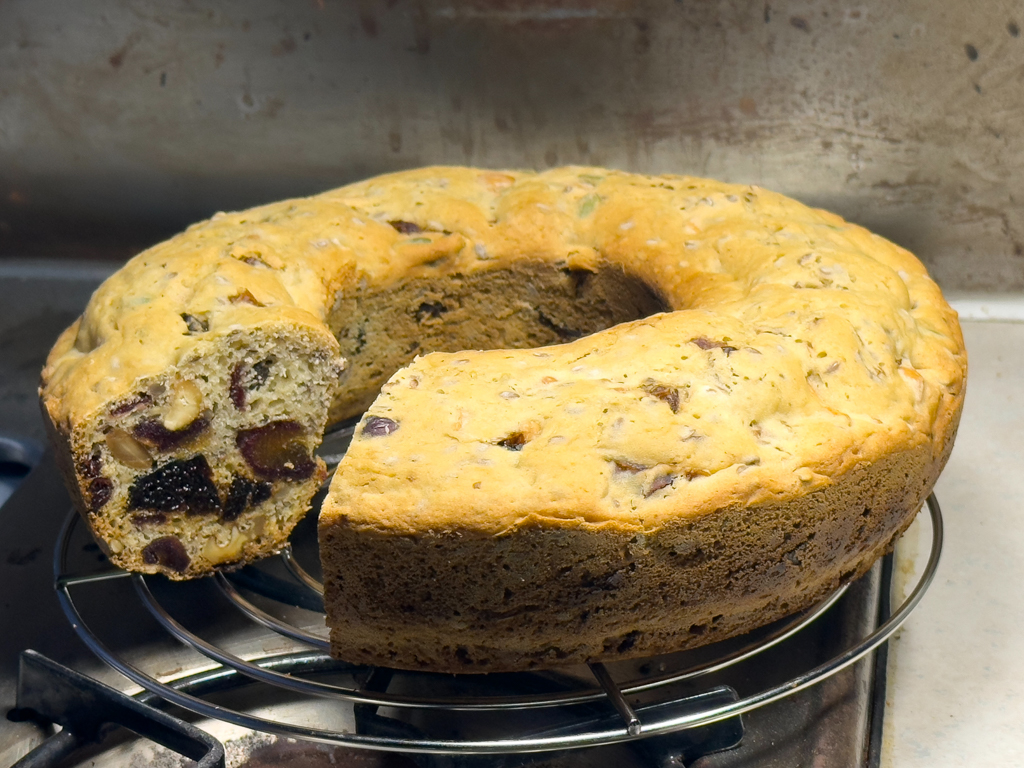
{"x":305,"y":670}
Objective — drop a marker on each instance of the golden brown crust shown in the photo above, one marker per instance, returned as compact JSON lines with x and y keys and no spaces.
{"x":562,"y":594}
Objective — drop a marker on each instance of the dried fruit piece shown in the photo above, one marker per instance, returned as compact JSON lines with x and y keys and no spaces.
{"x":236,"y":388}
{"x":195,"y":324}
{"x":277,"y":451}
{"x":91,"y":467}
{"x":167,"y":551}
{"x":260,"y":494}
{"x":706,"y":343}
{"x":127,"y":450}
{"x":406,"y":227}
{"x":260,"y":373}
{"x":514,"y":442}
{"x":625,"y":465}
{"x":179,"y":486}
{"x":245,"y":297}
{"x":379,"y":426}
{"x":132,"y":404}
{"x":663,"y":392}
{"x":100,"y":490}
{"x":243,"y":493}
{"x":153,"y":433}
{"x":245,"y":379}
{"x":185,"y":404}
{"x":661,"y":481}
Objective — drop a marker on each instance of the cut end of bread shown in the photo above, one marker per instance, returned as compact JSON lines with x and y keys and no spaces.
{"x":210,"y":464}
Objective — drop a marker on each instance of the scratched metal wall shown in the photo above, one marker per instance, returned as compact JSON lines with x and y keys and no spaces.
{"x":121,"y":121}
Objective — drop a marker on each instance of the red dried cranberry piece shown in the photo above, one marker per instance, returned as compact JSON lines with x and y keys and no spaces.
{"x":100,"y":490}
{"x":378,"y":426}
{"x":167,"y":551}
{"x":179,"y":486}
{"x":277,"y":451}
{"x":160,"y":437}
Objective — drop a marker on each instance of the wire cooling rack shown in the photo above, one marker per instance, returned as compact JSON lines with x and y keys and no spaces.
{"x":583,"y":712}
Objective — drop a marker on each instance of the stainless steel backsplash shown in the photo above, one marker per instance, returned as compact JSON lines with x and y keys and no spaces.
{"x":121,"y":121}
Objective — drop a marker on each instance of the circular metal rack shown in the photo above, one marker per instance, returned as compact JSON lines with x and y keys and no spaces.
{"x":301,"y":672}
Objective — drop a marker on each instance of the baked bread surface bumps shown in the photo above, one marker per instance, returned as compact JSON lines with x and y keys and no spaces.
{"x":710,"y":469}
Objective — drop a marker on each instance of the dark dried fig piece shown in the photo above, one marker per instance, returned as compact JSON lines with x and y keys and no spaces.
{"x":241,"y":494}
{"x":180,"y":486}
{"x":260,"y":494}
{"x":160,"y":437}
{"x":277,"y":451}
{"x":379,"y":426}
{"x":167,"y":551}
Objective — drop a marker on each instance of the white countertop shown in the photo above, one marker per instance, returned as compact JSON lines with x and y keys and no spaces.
{"x":956,"y":669}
